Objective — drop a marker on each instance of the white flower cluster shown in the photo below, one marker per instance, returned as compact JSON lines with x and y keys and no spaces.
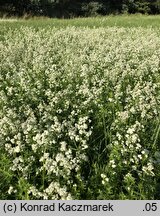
{"x":104,"y":179}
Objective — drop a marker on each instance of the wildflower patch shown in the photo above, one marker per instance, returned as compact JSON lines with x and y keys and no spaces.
{"x":79,"y":113}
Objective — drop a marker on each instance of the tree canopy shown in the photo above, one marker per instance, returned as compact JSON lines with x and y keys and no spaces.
{"x":73,"y":8}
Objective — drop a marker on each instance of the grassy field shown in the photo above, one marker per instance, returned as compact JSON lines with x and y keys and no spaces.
{"x":80,"y":108}
{"x":109,"y":21}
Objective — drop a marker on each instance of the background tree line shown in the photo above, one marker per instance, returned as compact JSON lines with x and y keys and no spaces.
{"x":74,"y":8}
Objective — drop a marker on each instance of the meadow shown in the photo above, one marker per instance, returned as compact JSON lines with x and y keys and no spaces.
{"x":80,"y":108}
{"x":137,"y":20}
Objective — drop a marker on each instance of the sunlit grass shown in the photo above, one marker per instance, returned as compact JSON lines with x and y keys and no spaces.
{"x":92,"y":22}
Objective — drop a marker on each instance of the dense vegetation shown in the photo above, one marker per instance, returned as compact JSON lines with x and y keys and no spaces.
{"x":79,"y":109}
{"x":72,"y":8}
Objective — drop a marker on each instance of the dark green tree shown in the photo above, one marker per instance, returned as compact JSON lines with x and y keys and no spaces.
{"x":72,"y":8}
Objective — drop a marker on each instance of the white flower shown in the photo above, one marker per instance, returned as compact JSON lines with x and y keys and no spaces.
{"x":63,"y":146}
{"x":103,"y":175}
{"x":17,"y":149}
{"x":10,"y":190}
{"x":130,"y":130}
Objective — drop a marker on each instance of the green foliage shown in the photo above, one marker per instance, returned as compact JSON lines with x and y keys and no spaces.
{"x":91,"y":8}
{"x":6,"y":175}
{"x":70,"y":8}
